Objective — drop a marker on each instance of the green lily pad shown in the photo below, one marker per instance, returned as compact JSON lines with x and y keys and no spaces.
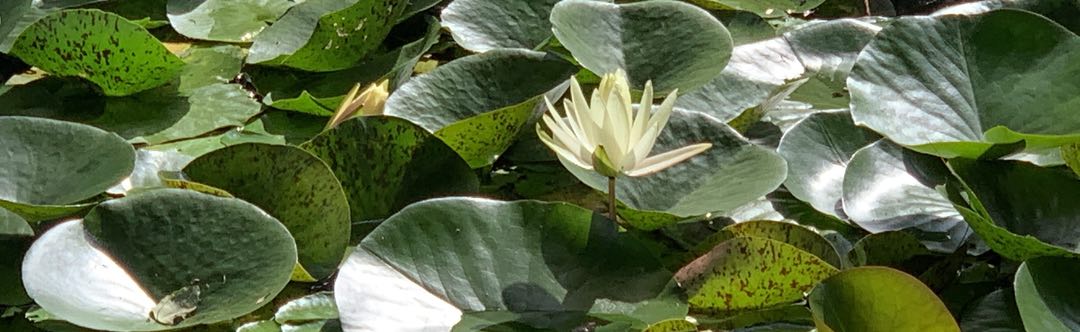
{"x":386,"y":163}
{"x":892,"y":248}
{"x":87,"y":44}
{"x":889,"y":188}
{"x":15,"y":237}
{"x":817,"y":150}
{"x":1017,"y":208}
{"x":481,"y":26}
{"x":825,"y":51}
{"x":793,"y":234}
{"x":1046,"y":295}
{"x":994,"y":312}
{"x":478,"y":104}
{"x":1064,"y":12}
{"x":1003,"y":77}
{"x":676,"y":45}
{"x":224,"y":20}
{"x":321,"y":93}
{"x":764,"y":8}
{"x":49,"y":164}
{"x":751,"y":273}
{"x":545,"y":264}
{"x":726,"y":176}
{"x":168,"y":250}
{"x":15,"y":16}
{"x":293,"y":186}
{"x":326,"y":35}
{"x":311,"y":307}
{"x":878,"y":299}
{"x":207,"y":65}
{"x":1071,"y":154}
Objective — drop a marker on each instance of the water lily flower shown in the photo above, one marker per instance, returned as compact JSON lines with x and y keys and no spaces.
{"x":608,"y":135}
{"x":370,"y":101}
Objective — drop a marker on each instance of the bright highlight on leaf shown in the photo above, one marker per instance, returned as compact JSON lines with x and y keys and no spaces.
{"x":611,"y":125}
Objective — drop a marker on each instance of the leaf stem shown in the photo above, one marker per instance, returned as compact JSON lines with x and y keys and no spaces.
{"x":611,"y":200}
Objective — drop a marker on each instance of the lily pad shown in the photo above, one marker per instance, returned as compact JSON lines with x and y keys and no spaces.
{"x":790,"y":233}
{"x":224,"y":20}
{"x":206,"y":65}
{"x":751,"y":273}
{"x":386,"y":163}
{"x":817,"y":150}
{"x":878,"y":299}
{"x":15,"y":237}
{"x":326,"y":35}
{"x":87,"y":44}
{"x":479,"y":103}
{"x":826,"y":50}
{"x":1017,"y":208}
{"x":293,"y":186}
{"x":48,"y":163}
{"x":542,"y":263}
{"x":674,"y":44}
{"x":995,"y":312}
{"x":1046,"y":296}
{"x":889,"y":188}
{"x":726,"y":176}
{"x":130,"y":254}
{"x":372,"y":295}
{"x":955,"y":86}
{"x":481,"y":26}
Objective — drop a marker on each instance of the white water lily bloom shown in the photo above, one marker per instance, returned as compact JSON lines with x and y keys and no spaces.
{"x":608,"y":135}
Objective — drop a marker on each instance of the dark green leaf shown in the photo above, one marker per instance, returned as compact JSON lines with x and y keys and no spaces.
{"x":224,"y":20}
{"x":481,"y":25}
{"x":878,"y":299}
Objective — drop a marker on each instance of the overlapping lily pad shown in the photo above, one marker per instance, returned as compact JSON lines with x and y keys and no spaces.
{"x":765,"y":8}
{"x":789,"y":233}
{"x":729,"y":174}
{"x":957,"y":85}
{"x":326,"y":35}
{"x":674,"y":44}
{"x":1046,"y":296}
{"x":889,"y":188}
{"x":817,"y":150}
{"x":751,"y":273}
{"x":878,"y":299}
{"x":224,"y":20}
{"x":293,"y":186}
{"x":479,"y":103}
{"x":47,"y":167}
{"x":481,"y":26}
{"x":87,"y":44}
{"x":190,"y":258}
{"x":545,"y":264}
{"x":1019,"y":208}
{"x":386,"y":163}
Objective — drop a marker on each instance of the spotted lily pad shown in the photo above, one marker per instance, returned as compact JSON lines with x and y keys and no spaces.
{"x":293,"y":186}
{"x":751,"y":273}
{"x":87,"y":43}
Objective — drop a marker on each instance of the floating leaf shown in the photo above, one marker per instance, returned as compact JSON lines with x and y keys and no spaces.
{"x":793,"y":234}
{"x":889,"y":188}
{"x":1046,"y":295}
{"x":676,"y":45}
{"x":326,"y":35}
{"x":957,"y":85}
{"x":47,"y":163}
{"x":479,"y":103}
{"x":1017,"y":208}
{"x":878,"y":299}
{"x":224,"y":20}
{"x":87,"y":44}
{"x":817,"y":150}
{"x":995,"y":312}
{"x":751,"y":273}
{"x":386,"y":163}
{"x":206,"y":65}
{"x":109,"y":271}
{"x":542,"y":263}
{"x":481,"y":26}
{"x":293,"y":186}
{"x":764,"y":8}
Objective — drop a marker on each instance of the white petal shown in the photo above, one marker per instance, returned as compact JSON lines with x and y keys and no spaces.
{"x":643,"y":114}
{"x":667,"y":159}
{"x":573,"y":120}
{"x":563,"y":153}
{"x":666,"y":108}
{"x":620,"y":124}
{"x":563,"y":137}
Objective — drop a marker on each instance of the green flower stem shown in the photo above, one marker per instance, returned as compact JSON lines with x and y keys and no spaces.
{"x":611,"y":200}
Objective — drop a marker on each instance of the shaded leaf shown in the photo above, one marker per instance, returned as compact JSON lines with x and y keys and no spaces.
{"x":224,"y":20}
{"x":480,"y":26}
{"x":871,"y":298}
